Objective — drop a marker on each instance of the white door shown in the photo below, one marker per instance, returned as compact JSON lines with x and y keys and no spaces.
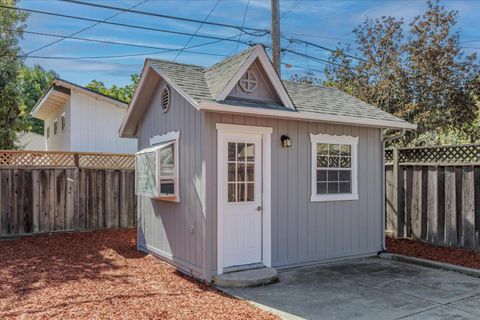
{"x":240,"y":202}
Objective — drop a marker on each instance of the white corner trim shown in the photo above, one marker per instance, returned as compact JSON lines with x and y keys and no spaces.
{"x":301,"y":115}
{"x":334,"y":139}
{"x":266,"y":133}
{"x":272,"y":75}
{"x":169,"y":136}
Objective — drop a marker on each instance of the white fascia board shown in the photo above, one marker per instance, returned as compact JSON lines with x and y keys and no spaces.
{"x":307,"y":116}
{"x":40,"y":102}
{"x":75,"y":88}
{"x":131,"y":107}
{"x":272,"y":75}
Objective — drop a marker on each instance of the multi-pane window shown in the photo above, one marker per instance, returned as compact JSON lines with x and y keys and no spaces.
{"x":48,"y":132}
{"x":157,"y":173}
{"x":241,"y":172}
{"x":334,"y":168}
{"x":55,"y":127}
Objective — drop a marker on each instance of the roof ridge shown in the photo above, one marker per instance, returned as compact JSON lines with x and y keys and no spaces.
{"x":176,"y":63}
{"x":230,"y":58}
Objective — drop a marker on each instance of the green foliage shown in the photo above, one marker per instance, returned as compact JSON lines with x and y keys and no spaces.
{"x":307,"y":77}
{"x":34,"y":81}
{"x":423,"y":77}
{"x":121,"y":93}
{"x":13,"y":115}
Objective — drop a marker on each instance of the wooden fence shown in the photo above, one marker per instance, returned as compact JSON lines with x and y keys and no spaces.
{"x":46,"y":192}
{"x":433,"y":194}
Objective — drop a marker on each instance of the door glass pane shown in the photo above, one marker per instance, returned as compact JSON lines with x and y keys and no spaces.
{"x":241,"y":151}
{"x":250,"y":172}
{"x":240,"y":192}
{"x":250,"y":152}
{"x":231,"y":151}
{"x":231,"y":192}
{"x":231,"y":171}
{"x":250,"y":191}
{"x":241,"y":172}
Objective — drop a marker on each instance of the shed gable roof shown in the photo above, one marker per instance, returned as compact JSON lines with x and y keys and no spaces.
{"x":207,"y":88}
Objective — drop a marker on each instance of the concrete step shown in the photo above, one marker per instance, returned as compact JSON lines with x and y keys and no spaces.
{"x":246,"y":278}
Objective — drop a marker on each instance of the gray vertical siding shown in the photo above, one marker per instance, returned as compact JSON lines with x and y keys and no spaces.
{"x":303,"y":231}
{"x":175,"y":230}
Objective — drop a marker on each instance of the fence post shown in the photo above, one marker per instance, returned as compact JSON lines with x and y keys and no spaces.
{"x":397,"y":185}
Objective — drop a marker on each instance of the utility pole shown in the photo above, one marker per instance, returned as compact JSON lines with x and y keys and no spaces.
{"x":275,"y":32}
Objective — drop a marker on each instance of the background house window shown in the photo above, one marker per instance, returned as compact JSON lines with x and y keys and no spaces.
{"x":334,"y":168}
{"x":48,"y":132}
{"x":157,"y":172}
{"x":63,"y":122}
{"x":55,"y":127}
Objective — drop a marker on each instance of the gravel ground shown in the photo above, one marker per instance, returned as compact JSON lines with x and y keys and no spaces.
{"x":100,"y":275}
{"x":413,"y":248}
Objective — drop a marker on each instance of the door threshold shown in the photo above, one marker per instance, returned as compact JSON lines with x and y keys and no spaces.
{"x":242,"y":267}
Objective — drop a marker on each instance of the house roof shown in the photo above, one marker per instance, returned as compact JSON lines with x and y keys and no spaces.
{"x":59,"y":92}
{"x":203,"y":87}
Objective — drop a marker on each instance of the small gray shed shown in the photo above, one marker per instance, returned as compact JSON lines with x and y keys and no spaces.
{"x":238,"y":169}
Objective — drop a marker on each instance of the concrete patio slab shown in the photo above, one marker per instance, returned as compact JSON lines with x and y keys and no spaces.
{"x":369,"y":289}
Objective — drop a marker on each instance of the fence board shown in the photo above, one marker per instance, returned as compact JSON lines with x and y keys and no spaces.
{"x":450,"y":207}
{"x":65,"y":199}
{"x":468,"y":208}
{"x":432,"y":205}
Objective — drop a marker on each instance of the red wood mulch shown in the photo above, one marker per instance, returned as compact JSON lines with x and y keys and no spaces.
{"x":100,"y":275}
{"x":413,"y":248}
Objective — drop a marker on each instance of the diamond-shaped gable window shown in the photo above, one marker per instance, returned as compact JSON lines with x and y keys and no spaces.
{"x":249,"y":82}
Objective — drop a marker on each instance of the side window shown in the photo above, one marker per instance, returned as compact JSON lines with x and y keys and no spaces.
{"x":48,"y":132}
{"x":334,"y":168}
{"x":55,"y":127}
{"x":157,"y":173}
{"x":63,"y":121}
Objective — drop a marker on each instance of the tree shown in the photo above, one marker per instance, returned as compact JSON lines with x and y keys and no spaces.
{"x":424,"y":77}
{"x":12,"y":110}
{"x":121,"y":93}
{"x":34,"y":81}
{"x":308,"y":78}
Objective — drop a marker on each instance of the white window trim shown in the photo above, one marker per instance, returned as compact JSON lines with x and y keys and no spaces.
{"x":331,"y":139}
{"x":159,"y":142}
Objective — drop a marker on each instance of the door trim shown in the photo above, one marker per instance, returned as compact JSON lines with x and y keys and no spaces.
{"x":266,"y":134}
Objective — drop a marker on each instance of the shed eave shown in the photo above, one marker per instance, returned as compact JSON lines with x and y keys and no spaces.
{"x":307,"y":116}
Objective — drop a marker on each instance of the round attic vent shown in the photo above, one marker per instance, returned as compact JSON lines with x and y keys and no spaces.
{"x":165,"y":99}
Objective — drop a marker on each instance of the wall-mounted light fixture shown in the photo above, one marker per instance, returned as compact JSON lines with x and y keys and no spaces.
{"x":286,"y":141}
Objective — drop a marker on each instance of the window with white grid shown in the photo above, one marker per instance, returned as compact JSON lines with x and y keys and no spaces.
{"x":334,"y":168}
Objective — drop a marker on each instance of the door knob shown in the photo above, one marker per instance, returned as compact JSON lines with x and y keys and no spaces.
{"x":259,"y":208}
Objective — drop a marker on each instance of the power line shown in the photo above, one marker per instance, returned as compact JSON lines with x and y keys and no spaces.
{"x":124,"y":24}
{"x":292,"y":40}
{"x":198,"y":29}
{"x":243,"y":23}
{"x":84,"y":29}
{"x":293,"y":6}
{"x":165,"y":16}
{"x":110,"y":41}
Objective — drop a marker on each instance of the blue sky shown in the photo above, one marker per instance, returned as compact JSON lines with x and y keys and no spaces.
{"x":327,"y":23}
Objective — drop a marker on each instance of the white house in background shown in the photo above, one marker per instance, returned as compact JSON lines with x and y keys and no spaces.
{"x":31,"y":141}
{"x":82,"y":120}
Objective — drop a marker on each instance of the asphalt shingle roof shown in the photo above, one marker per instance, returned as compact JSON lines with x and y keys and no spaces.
{"x":204,"y":84}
